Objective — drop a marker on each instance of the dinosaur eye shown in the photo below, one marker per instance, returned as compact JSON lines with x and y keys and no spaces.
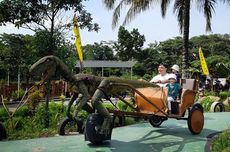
{"x":47,"y":60}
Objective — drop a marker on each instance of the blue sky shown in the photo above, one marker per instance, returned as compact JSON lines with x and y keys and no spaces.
{"x":149,"y":23}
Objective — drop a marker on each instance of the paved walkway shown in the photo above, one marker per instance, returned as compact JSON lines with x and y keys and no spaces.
{"x":172,"y":136}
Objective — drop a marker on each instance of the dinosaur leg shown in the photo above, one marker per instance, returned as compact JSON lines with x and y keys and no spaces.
{"x":97,"y":104}
{"x":73,"y":97}
{"x":82,"y":100}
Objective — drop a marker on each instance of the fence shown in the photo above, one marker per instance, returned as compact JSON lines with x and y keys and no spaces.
{"x":58,"y":87}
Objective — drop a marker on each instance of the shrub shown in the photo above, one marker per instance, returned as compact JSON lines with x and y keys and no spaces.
{"x":227,"y":108}
{"x":124,"y":107}
{"x":121,"y":105}
{"x":224,"y":95}
{"x":33,"y":99}
{"x":109,"y":106}
{"x":55,"y":114}
{"x":222,"y":142}
{"x":147,"y":77}
{"x":23,"y":111}
{"x":206,"y":103}
{"x":15,"y":123}
{"x":83,"y":114}
{"x":18,"y":94}
{"x":3,"y":114}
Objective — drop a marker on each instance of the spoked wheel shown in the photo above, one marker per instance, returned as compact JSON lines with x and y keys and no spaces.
{"x":195,"y":120}
{"x":93,"y":123}
{"x":70,"y":126}
{"x":156,"y":121}
{"x":2,"y":132}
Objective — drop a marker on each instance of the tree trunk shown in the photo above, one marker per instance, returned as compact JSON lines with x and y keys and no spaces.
{"x":186,"y":18}
{"x":51,"y":52}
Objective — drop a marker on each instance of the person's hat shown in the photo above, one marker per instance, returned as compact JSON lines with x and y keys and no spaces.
{"x":172,"y":76}
{"x":175,"y":67}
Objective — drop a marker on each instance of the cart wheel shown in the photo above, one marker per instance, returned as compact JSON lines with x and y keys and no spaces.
{"x":217,"y":107}
{"x":195,"y":120}
{"x":93,"y":122}
{"x":156,"y":121}
{"x":68,"y":125}
{"x":2,"y":132}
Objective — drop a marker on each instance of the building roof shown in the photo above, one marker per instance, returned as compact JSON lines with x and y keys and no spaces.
{"x":100,"y":63}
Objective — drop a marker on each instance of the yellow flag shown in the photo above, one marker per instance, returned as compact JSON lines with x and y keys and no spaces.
{"x":203,"y":63}
{"x":77,"y":39}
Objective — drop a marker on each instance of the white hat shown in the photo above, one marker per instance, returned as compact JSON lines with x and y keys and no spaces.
{"x":175,"y":67}
{"x":172,"y":76}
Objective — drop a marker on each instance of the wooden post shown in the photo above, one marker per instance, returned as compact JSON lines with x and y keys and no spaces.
{"x":47,"y":98}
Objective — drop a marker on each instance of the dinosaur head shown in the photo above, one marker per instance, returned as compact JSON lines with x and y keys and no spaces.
{"x":45,"y":66}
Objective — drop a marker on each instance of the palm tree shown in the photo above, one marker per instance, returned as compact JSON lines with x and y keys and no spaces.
{"x":182,"y":10}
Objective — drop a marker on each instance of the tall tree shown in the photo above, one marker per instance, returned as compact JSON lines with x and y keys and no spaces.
{"x":181,"y":8}
{"x":44,"y":15}
{"x":102,"y":52}
{"x":129,"y":45}
{"x":15,"y":56}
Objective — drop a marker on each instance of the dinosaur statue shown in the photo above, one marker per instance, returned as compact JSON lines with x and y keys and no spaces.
{"x":85,"y":84}
{"x":98,"y":87}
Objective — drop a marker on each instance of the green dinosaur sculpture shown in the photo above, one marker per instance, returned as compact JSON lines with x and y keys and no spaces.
{"x":99,"y":87}
{"x":85,"y":84}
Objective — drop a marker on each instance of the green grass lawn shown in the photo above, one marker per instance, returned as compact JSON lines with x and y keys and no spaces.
{"x":222,"y":142}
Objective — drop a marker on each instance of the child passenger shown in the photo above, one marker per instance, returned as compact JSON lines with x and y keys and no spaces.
{"x":175,"y":70}
{"x":173,"y":90}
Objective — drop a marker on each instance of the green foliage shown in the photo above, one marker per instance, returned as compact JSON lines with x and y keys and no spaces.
{"x":121,"y":105}
{"x":33,"y":99}
{"x":209,"y":93}
{"x":16,"y":55}
{"x":109,"y":106}
{"x":224,"y":95}
{"x":22,"y":12}
{"x":102,"y":51}
{"x":206,"y":103}
{"x":129,"y":121}
{"x":129,"y":45}
{"x":18,"y":51}
{"x":24,"y":125}
{"x":214,"y":47}
{"x":127,"y":76}
{"x":55,"y":114}
{"x":15,"y":123}
{"x":3,"y":114}
{"x":18,"y":94}
{"x":22,"y":112}
{"x":42,"y":42}
{"x":139,"y":69}
{"x":222,"y":142}
{"x":83,"y":115}
{"x":227,"y":108}
{"x":147,"y":77}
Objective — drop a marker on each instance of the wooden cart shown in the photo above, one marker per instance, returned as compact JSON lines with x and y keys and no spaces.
{"x":151,"y":103}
